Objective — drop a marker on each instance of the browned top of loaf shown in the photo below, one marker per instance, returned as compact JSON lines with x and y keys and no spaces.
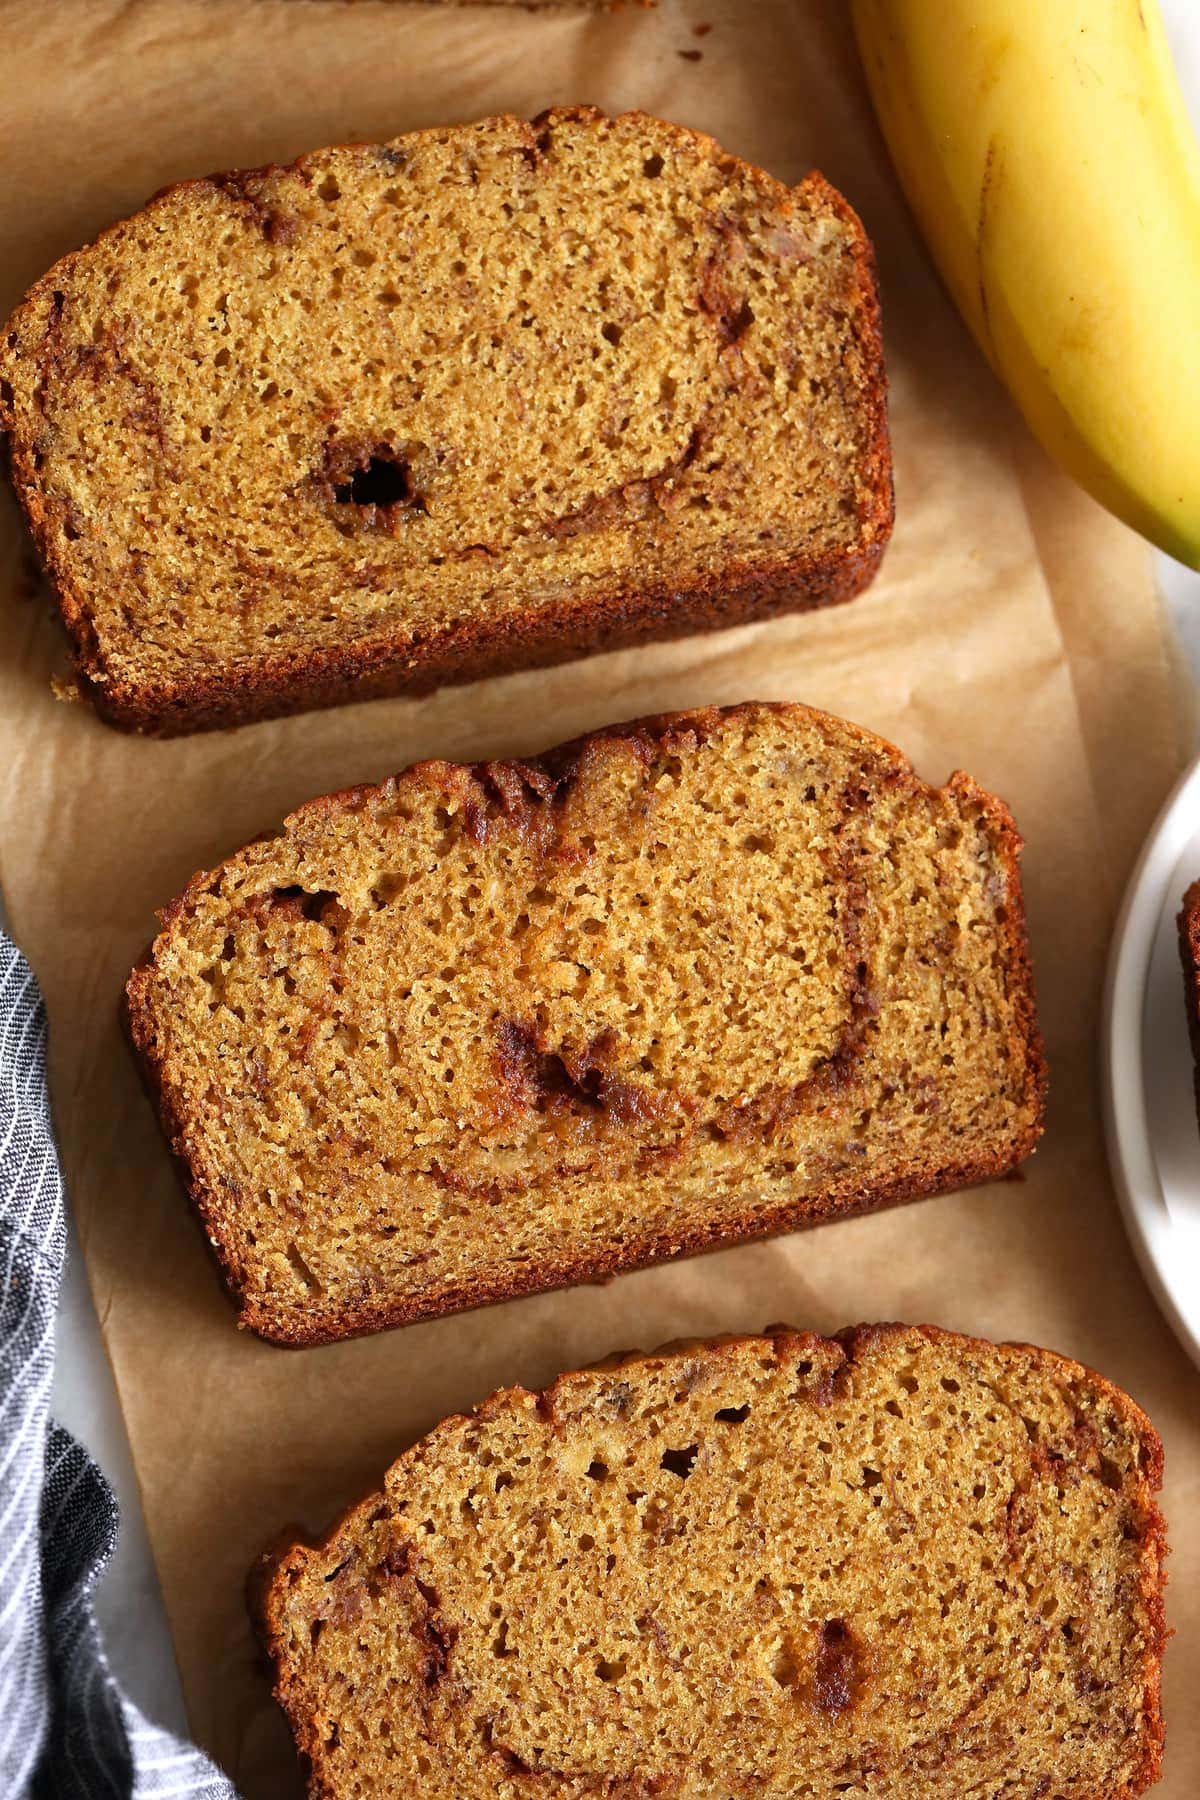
{"x":484,"y":1030}
{"x":898,"y":1563}
{"x":470,"y":381}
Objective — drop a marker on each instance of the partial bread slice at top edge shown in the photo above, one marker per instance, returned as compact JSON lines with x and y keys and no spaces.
{"x":898,"y":1563}
{"x":548,"y":5}
{"x":479,"y":398}
{"x":551,"y":5}
{"x":482,"y":1031}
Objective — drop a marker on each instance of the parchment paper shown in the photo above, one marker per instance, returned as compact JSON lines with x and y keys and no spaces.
{"x":1013,"y":632}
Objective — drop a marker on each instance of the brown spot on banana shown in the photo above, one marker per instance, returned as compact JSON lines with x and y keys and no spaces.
{"x":986,"y":186}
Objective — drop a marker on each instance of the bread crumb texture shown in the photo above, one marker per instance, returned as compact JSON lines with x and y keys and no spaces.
{"x":899,"y":1564}
{"x":484,"y":1030}
{"x":412,"y":412}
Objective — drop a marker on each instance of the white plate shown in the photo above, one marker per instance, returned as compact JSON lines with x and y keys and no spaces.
{"x":1149,"y":1099}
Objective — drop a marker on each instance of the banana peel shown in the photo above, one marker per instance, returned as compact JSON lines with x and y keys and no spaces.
{"x":1046,"y":152}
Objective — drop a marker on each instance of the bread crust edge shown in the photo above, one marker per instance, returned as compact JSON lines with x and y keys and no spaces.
{"x":1188,"y":923}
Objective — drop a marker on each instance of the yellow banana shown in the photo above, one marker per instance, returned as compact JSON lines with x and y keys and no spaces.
{"x":1047,"y":154}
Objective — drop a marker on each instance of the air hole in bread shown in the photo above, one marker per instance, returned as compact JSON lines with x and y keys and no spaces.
{"x":1111,"y":1474}
{"x":374,"y":482}
{"x":301,"y":1269}
{"x":311,"y":906}
{"x":680,"y":1462}
{"x":382,"y":482}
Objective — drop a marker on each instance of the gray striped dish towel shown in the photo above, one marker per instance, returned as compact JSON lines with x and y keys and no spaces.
{"x":66,"y":1730}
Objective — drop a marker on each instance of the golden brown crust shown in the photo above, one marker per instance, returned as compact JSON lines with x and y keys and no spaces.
{"x":643,"y":1253}
{"x":269,"y":684}
{"x":472,"y":651}
{"x":558,"y":768}
{"x":287,"y":1559}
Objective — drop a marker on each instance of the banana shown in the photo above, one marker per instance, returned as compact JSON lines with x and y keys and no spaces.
{"x":1046,"y":151}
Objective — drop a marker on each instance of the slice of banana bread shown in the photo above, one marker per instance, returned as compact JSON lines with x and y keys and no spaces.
{"x":1189,"y":951}
{"x":896,"y":1563}
{"x":417,"y":412}
{"x":486,"y":1030}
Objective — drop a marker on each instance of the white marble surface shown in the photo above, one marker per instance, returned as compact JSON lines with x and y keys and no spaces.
{"x":84,"y":1397}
